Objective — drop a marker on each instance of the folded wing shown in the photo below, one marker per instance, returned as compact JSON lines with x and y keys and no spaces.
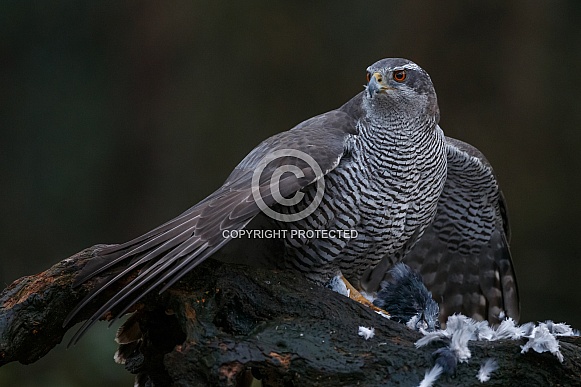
{"x":166,"y":253}
{"x":464,"y":256}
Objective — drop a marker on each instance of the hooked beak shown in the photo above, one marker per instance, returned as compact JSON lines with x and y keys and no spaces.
{"x":376,"y":85}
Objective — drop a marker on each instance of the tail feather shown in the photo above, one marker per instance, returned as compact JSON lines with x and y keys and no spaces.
{"x":156,"y":232}
{"x":159,"y":272}
{"x":163,"y":256}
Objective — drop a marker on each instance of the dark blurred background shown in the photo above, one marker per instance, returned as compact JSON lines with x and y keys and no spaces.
{"x":116,"y":116}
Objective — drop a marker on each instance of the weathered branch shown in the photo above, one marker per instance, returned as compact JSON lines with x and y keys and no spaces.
{"x":224,"y":320}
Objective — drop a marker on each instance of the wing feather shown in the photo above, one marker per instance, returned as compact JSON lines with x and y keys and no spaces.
{"x":168,"y":252}
{"x":464,"y":255}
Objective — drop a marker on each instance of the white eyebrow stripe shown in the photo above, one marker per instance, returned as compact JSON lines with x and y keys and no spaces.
{"x":409,"y":66}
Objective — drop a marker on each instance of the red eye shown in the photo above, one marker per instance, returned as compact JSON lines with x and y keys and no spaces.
{"x":399,"y":75}
{"x":368,"y":77}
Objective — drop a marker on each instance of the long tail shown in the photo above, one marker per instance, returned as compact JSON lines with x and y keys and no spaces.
{"x":165,"y":254}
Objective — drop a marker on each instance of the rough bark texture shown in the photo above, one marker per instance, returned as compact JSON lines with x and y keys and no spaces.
{"x":224,"y":322}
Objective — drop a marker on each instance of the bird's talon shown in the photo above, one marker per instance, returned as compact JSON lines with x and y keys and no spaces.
{"x":355,"y":295}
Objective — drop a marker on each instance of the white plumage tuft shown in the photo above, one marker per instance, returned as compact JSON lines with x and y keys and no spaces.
{"x":486,"y":368}
{"x":461,"y":329}
{"x":561,"y":329}
{"x":508,"y":329}
{"x":431,"y":376}
{"x":430,"y":337}
{"x":459,"y":342}
{"x":542,"y":340}
{"x":366,"y":333}
{"x":337,"y":285}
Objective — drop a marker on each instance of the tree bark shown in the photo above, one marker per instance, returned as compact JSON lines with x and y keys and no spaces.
{"x":224,"y":322}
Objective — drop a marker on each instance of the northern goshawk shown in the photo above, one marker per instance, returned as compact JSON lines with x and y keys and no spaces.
{"x":370,"y":177}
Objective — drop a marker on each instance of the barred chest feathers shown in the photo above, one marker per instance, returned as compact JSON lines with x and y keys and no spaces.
{"x":402,"y":174}
{"x":385,"y":190}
